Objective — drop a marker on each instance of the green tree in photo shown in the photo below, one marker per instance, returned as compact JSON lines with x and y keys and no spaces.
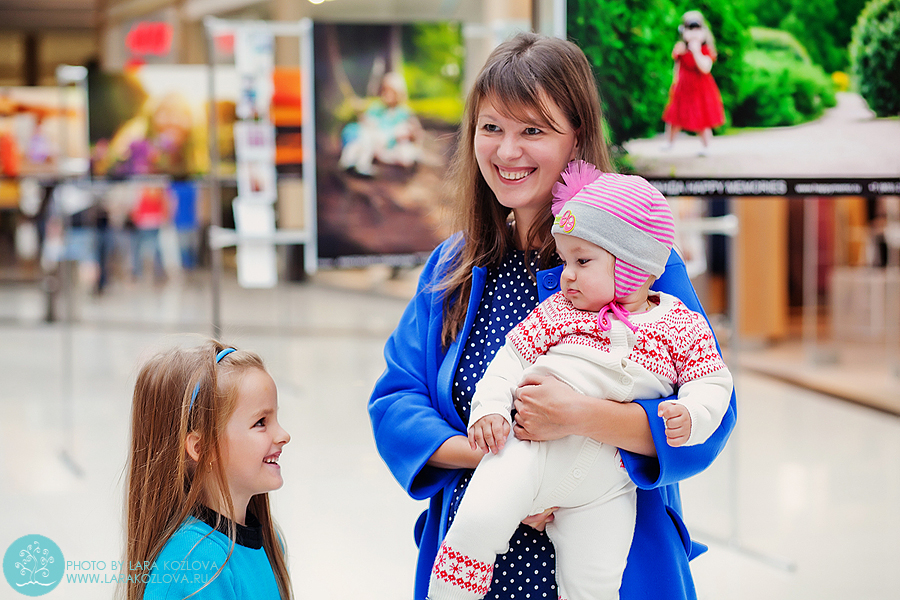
{"x":822,"y":26}
{"x":780,"y":85}
{"x":875,"y":52}
{"x":629,"y":44}
{"x":434,"y":68}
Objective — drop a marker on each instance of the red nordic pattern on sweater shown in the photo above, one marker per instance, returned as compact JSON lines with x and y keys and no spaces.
{"x":556,"y":321}
{"x":678,"y":346}
{"x":462,"y":571}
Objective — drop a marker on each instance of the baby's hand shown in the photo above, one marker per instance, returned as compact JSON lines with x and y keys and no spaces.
{"x":489,"y":433}
{"x":678,"y":422}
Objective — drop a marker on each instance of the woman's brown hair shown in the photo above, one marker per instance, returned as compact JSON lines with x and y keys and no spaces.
{"x":519,"y":78}
{"x":164,"y":485}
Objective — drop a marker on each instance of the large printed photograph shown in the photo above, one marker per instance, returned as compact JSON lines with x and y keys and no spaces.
{"x":758,"y":90}
{"x":154,"y":120}
{"x":388,"y":102}
{"x":43,"y":131}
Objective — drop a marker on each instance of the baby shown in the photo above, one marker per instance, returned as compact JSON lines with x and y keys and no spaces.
{"x":608,"y":336}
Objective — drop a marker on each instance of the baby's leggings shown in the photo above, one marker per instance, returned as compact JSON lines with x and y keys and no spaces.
{"x":591,"y":531}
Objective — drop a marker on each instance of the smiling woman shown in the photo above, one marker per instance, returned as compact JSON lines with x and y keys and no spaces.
{"x":533,"y":107}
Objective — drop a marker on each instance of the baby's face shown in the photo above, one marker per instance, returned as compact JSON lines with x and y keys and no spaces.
{"x":588,"y":280}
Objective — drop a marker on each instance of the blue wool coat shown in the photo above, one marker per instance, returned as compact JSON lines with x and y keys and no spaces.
{"x":412,"y":414}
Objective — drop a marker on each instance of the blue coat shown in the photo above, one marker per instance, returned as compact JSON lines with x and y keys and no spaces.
{"x":412,"y":414}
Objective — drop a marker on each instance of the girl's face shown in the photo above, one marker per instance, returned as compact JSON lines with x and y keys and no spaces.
{"x":253,"y":439}
{"x":588,"y":279}
{"x":389,"y":96}
{"x":521,"y":159}
{"x":695,"y":34}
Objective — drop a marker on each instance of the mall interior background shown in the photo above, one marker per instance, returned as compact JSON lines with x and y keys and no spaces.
{"x":805,"y":300}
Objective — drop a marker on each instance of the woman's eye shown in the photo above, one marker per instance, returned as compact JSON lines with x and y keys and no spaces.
{"x":532,"y":131}
{"x":490,"y":127}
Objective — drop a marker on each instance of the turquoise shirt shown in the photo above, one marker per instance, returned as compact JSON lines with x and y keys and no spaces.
{"x":191,"y":558}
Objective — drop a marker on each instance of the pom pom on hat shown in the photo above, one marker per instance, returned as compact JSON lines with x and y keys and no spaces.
{"x":578,"y":174}
{"x":623,"y":214}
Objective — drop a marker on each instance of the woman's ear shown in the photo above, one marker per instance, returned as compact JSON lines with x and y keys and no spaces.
{"x":192,"y":445}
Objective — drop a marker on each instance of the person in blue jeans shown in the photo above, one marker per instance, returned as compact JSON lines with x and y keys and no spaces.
{"x":533,"y":108}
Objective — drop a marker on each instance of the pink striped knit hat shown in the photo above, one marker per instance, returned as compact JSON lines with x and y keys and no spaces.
{"x":623,"y":214}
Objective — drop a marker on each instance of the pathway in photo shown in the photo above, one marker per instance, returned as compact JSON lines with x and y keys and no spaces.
{"x":848,"y":141}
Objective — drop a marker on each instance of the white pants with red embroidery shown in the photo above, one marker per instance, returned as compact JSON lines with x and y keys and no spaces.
{"x":591,"y":531}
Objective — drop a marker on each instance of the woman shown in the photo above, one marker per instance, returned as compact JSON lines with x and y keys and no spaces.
{"x":533,"y":108}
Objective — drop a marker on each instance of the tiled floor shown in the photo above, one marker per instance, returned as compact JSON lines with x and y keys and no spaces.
{"x":802,"y":504}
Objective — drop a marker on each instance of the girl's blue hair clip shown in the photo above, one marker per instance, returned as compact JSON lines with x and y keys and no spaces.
{"x":219,"y":358}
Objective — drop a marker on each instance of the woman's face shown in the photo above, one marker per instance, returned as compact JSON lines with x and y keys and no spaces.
{"x":521,"y":158}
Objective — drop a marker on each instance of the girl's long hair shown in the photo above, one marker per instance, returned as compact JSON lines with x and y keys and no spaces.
{"x":519,"y":78}
{"x":164,"y":485}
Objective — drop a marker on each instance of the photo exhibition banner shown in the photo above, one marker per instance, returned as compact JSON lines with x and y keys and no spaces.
{"x":736,"y":100}
{"x":388,"y":102}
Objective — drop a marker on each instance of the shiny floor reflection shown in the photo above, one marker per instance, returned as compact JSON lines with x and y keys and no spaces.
{"x":803,"y":503}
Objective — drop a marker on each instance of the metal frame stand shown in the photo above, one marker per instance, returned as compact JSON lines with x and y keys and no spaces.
{"x":65,"y":76}
{"x":220,"y":238}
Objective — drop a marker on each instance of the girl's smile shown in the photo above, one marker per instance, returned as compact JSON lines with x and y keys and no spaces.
{"x":253,"y":440}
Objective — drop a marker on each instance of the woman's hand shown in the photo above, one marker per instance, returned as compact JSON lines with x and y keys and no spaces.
{"x":545,"y":408}
{"x":548,"y":409}
{"x":678,"y":423}
{"x":540,"y":520}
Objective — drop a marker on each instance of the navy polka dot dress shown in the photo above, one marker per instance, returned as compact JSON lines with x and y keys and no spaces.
{"x":528,"y":570}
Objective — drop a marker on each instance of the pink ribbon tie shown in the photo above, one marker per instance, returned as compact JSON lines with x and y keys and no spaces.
{"x":603,"y":319}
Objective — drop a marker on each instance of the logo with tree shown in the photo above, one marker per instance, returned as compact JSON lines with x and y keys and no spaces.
{"x":33,"y":565}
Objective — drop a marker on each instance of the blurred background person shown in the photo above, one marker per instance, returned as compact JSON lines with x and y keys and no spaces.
{"x":694,"y":100}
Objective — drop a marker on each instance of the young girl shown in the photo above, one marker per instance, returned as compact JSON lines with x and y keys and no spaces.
{"x":388,"y":131}
{"x":205,"y":443}
{"x":606,"y":335}
{"x":694,"y":100}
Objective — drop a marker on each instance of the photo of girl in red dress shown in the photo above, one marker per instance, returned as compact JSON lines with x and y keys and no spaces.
{"x":694,"y":100}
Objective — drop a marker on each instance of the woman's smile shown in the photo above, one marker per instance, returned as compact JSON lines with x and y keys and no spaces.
{"x":513,"y":175}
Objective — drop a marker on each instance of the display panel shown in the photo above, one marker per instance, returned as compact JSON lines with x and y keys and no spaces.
{"x":43,"y":131}
{"x":779,"y":112}
{"x":153,"y":120}
{"x":388,"y":103}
